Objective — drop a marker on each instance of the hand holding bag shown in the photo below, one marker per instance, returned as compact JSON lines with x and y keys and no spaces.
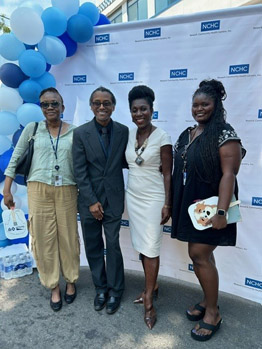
{"x":24,"y":163}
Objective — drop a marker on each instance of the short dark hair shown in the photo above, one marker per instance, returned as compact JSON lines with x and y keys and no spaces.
{"x":51,"y":89}
{"x":141,"y":92}
{"x":102,"y":89}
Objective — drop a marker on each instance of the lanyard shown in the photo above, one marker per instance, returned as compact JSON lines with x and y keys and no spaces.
{"x":55,"y":147}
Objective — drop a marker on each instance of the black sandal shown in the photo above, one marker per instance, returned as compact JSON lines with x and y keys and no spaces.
{"x":199,"y":316}
{"x":202,"y":324}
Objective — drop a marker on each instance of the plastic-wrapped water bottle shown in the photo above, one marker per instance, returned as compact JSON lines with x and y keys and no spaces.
{"x":14,"y":264}
{"x":29,"y":263}
{"x":7,"y":268}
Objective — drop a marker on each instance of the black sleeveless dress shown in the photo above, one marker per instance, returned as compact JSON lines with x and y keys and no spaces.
{"x":196,"y":189}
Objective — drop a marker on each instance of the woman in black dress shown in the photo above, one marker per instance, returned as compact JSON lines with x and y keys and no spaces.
{"x":207,"y":160}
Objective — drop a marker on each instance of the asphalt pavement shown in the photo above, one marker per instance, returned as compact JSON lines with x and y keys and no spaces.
{"x":27,"y":321}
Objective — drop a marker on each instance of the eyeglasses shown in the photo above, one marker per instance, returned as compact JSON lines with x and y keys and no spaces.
{"x":46,"y":105}
{"x":105,"y":104}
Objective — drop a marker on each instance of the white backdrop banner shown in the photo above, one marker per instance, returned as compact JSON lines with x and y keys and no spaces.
{"x":172,"y":55}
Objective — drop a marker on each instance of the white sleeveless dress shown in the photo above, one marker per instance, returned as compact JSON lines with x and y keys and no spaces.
{"x":145,"y":193}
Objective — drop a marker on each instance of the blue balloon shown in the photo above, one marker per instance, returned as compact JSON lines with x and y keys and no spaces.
{"x":55,"y":21}
{"x":91,"y":11}
{"x":29,"y":112}
{"x":10,"y":47}
{"x":5,"y":144}
{"x":9,"y":123}
{"x":16,"y":136}
{"x":80,"y":28}
{"x":32,"y":63}
{"x":19,"y":180}
{"x":103,"y":20}
{"x":53,"y":49}
{"x":46,"y":80}
{"x":12,"y":75}
{"x":4,"y":243}
{"x":5,"y":158}
{"x":2,"y":177}
{"x":2,"y":230}
{"x":71,"y":45}
{"x":30,"y":90}
{"x":48,"y":66}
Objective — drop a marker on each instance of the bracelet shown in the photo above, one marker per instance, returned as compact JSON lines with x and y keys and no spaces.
{"x":167,"y":206}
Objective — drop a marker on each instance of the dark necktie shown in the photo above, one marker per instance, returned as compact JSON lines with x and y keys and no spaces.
{"x":105,"y":137}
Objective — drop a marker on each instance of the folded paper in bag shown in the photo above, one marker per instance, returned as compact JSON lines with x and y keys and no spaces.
{"x":201,"y":211}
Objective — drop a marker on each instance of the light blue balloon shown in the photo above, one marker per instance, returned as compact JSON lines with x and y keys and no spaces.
{"x":91,"y":11}
{"x":53,"y":49}
{"x":46,"y":80}
{"x":29,"y":112}
{"x":9,"y":123}
{"x":32,"y":63}
{"x":55,"y":21}
{"x":80,"y":28}
{"x":5,"y":144}
{"x":10,"y":47}
{"x":30,"y":90}
{"x":2,"y":230}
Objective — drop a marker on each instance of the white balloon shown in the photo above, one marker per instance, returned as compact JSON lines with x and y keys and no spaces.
{"x":24,"y":204}
{"x":10,"y":100}
{"x":69,"y":7}
{"x":27,"y":25}
{"x":36,"y":7}
{"x":21,"y":190}
{"x":5,"y":144}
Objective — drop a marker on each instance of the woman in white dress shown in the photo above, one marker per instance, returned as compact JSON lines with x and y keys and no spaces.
{"x":148,"y":194}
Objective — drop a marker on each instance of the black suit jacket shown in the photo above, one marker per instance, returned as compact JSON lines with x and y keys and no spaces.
{"x":99,"y":178}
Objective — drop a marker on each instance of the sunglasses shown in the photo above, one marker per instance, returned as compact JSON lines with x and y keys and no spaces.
{"x":105,"y":104}
{"x":45,"y":105}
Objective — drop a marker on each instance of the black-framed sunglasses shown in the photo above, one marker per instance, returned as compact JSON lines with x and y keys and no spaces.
{"x":106,"y":104}
{"x":46,"y":105}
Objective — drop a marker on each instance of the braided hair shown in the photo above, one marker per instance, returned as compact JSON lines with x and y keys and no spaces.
{"x":208,"y":143}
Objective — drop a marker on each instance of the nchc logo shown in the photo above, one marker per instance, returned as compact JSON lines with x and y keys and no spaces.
{"x":239,"y":69}
{"x":126,"y":76}
{"x":253,"y":283}
{"x":102,"y":38}
{"x":79,"y":78}
{"x":211,"y":25}
{"x":256,"y":201}
{"x":259,"y":113}
{"x":124,"y":223}
{"x":155,"y":115}
{"x":167,"y":229}
{"x":178,"y":73}
{"x":152,"y":33}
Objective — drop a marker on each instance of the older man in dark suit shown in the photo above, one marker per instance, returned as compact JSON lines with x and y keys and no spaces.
{"x":98,"y":158}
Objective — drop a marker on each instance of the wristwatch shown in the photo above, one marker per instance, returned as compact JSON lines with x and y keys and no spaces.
{"x":221,"y":212}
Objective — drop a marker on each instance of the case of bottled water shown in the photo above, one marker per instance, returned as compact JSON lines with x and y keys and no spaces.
{"x":16,"y":264}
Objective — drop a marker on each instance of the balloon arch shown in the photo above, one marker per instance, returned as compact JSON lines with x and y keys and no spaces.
{"x":38,"y":39}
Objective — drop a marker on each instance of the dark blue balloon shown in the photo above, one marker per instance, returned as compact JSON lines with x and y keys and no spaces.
{"x":48,"y":66}
{"x":16,"y":136}
{"x":20,"y":180}
{"x":12,"y":75}
{"x":2,"y":177}
{"x":30,"y":47}
{"x":5,"y":158}
{"x":71,"y":45}
{"x":103,"y":20}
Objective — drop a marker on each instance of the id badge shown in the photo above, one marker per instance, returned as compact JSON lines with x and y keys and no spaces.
{"x":58,"y":181}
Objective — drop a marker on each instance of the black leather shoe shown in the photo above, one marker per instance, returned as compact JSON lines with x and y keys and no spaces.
{"x":112,"y":304}
{"x":69,"y":298}
{"x":100,"y":301}
{"x":56,"y":306}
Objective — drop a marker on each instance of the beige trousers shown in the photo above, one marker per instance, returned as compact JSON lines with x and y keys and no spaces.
{"x":53,"y":227}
